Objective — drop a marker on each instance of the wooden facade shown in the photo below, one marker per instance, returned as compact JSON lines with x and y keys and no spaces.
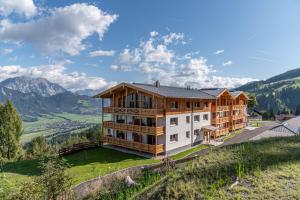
{"x":144,"y":113}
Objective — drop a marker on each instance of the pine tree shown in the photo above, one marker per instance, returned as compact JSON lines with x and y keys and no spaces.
{"x":10,"y":131}
{"x":297,"y":112}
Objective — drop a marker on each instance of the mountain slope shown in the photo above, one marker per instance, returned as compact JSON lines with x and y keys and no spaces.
{"x":33,"y":104}
{"x":39,"y":86}
{"x":279,"y":93}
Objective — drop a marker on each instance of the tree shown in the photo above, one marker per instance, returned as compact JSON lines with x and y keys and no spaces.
{"x":38,"y":147}
{"x":54,"y":179}
{"x":10,"y":131}
{"x":53,"y":184}
{"x":252,"y":102}
{"x":297,"y":112}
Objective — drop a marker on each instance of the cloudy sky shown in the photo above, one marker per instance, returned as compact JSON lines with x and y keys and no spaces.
{"x":96,"y":44}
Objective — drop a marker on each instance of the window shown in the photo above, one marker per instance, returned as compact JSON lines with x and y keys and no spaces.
{"x":205,"y":117}
{"x":187,"y":119}
{"x":174,"y":121}
{"x":197,"y":132}
{"x":174,"y":105}
{"x":187,"y":134}
{"x":197,"y":118}
{"x":174,"y":138}
{"x":188,"y":105}
{"x":197,"y":104}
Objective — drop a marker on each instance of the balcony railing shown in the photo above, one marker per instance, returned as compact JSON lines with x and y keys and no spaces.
{"x":222,"y":131}
{"x":220,"y":120}
{"x":159,"y":130}
{"x":222,"y":108}
{"x":238,"y":126}
{"x":238,"y":107}
{"x":133,"y":111}
{"x":236,"y":117}
{"x":149,"y":148}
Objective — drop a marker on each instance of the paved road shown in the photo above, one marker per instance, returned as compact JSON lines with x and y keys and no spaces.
{"x":242,"y":137}
{"x":246,"y":135}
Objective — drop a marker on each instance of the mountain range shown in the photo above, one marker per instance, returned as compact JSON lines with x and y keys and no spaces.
{"x":34,"y":97}
{"x":278,"y":94}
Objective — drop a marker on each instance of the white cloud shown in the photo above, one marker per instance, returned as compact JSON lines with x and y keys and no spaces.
{"x":25,"y":7}
{"x":219,"y":52}
{"x":173,"y":37}
{"x":156,"y":53}
{"x":157,"y":61}
{"x":64,"y":29}
{"x":6,"y":51}
{"x":227,"y":63}
{"x":57,"y":73}
{"x":153,"y":33}
{"x":100,"y":53}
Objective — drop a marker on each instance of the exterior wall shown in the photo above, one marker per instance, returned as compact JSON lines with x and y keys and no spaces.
{"x":199,"y":125}
{"x":182,"y":128}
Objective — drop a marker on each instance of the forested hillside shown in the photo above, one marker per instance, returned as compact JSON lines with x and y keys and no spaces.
{"x":278,"y":94}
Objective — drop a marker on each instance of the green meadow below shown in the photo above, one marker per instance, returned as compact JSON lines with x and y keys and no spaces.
{"x":85,"y":165}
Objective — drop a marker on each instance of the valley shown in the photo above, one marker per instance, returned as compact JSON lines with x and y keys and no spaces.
{"x":58,"y":125}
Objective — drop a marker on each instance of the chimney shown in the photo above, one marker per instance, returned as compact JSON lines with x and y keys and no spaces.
{"x":157,"y":84}
{"x":188,"y":87}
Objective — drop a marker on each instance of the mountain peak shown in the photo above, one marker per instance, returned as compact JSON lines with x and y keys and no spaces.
{"x":40,"y":86}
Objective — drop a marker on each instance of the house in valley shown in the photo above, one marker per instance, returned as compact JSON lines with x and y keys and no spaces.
{"x":159,"y":119}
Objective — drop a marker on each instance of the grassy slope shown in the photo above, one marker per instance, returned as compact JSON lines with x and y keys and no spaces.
{"x":269,"y":169}
{"x":85,"y":165}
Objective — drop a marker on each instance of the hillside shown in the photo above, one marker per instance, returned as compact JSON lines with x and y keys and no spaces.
{"x":280,"y":93}
{"x":268,"y":169}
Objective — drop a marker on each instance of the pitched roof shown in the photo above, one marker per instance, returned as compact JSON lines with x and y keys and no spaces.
{"x":174,"y":92}
{"x":292,"y":125}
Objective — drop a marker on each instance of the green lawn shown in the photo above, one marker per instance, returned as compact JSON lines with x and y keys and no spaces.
{"x":188,"y":152}
{"x":85,"y":165}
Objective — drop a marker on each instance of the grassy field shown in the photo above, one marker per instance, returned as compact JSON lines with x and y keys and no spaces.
{"x":50,"y":124}
{"x":267,"y":169}
{"x":85,"y":165}
{"x":188,"y":152}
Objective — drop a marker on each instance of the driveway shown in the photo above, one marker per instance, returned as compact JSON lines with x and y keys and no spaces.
{"x":242,"y":137}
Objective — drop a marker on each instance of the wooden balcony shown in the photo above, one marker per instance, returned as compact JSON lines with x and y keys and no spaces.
{"x":238,"y":107}
{"x":133,"y":111}
{"x":238,"y":126}
{"x":236,"y":117}
{"x":220,"y":120}
{"x":159,"y":130}
{"x":222,"y":108}
{"x":149,"y":148}
{"x":222,"y":131}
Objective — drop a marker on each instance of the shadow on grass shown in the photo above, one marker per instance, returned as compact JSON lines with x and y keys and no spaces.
{"x":84,"y":157}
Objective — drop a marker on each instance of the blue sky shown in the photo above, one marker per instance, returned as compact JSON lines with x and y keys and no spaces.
{"x":95,"y":44}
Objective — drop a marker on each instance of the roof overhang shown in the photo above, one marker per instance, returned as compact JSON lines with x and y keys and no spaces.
{"x":107,"y":93}
{"x":241,"y":94}
{"x":225,"y":91}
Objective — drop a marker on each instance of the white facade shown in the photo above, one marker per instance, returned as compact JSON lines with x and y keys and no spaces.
{"x":182,"y":127}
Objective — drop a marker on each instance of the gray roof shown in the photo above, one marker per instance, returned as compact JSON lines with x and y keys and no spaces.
{"x":235,"y":93}
{"x":177,"y":92}
{"x":213,"y":91}
{"x":292,"y":124}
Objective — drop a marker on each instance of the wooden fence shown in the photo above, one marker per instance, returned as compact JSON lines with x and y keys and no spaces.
{"x":78,"y":147}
